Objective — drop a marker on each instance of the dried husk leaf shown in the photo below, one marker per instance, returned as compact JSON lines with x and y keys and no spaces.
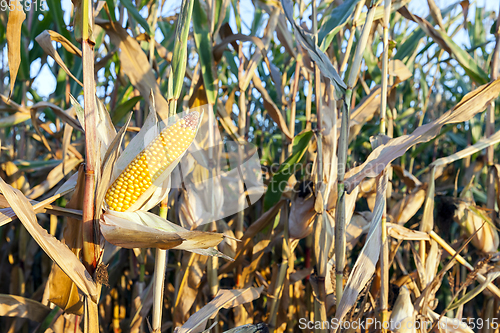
{"x":472,"y":219}
{"x":403,"y":317}
{"x":302,"y":215}
{"x":144,"y":230}
{"x":407,"y":207}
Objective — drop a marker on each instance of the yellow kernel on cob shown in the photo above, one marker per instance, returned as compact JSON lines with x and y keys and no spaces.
{"x":151,"y":162}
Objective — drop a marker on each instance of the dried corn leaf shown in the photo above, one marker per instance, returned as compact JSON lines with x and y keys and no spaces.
{"x":45,"y":41}
{"x":134,"y":63}
{"x":57,"y":251}
{"x":14,"y":119}
{"x":21,"y":307}
{"x":53,"y":178}
{"x":13,"y":36}
{"x":225,"y":298}
{"x":318,"y":56}
{"x":399,"y":232}
{"x":62,"y":290}
{"x":398,"y":69}
{"x":70,"y":47}
{"x":473,"y":220}
{"x":273,"y":110}
{"x":472,"y":103}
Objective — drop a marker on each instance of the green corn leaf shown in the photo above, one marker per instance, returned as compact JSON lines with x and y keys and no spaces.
{"x":132,"y":10}
{"x":204,"y":45}
{"x":280,"y":178}
{"x":179,"y":59}
{"x":121,"y":110}
{"x":334,"y":22}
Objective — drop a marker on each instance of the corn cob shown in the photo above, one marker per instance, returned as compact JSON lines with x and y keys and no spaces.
{"x":151,"y":162}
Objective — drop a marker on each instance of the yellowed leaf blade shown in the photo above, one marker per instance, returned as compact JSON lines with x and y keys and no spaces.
{"x":57,"y":251}
{"x":196,"y":323}
{"x":20,"y":307}
{"x":45,"y":42}
{"x":14,"y":119}
{"x":62,"y":290}
{"x":70,"y":47}
{"x":478,"y":146}
{"x":472,"y":103}
{"x":13,"y":35}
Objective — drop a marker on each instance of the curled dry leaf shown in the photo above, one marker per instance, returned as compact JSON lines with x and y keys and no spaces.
{"x":398,"y":69}
{"x":226,"y":298}
{"x":13,"y":36}
{"x":472,"y":103}
{"x":57,"y":251}
{"x":45,"y":41}
{"x":21,"y":307}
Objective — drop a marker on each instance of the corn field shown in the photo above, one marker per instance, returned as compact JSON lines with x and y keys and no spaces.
{"x":249,"y":166}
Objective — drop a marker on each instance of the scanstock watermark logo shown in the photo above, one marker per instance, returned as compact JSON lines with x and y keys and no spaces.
{"x":222,"y":176}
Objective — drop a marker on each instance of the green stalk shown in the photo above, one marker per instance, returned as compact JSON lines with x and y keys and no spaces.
{"x":159,"y":276}
{"x":340,"y":214}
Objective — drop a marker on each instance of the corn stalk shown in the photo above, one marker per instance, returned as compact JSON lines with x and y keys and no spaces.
{"x":340,"y":215}
{"x":384,"y":258}
{"x":90,"y":228}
